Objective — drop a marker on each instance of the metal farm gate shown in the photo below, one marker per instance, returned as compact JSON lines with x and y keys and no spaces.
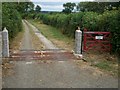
{"x":99,"y":41}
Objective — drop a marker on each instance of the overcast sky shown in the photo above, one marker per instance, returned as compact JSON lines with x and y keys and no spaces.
{"x":54,"y":5}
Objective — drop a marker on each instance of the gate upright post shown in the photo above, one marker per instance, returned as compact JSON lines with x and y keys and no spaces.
{"x":5,"y":45}
{"x":78,"y":42}
{"x":84,"y":41}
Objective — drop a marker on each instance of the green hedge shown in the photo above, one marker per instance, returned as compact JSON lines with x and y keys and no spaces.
{"x":107,"y":21}
{"x":11,"y":19}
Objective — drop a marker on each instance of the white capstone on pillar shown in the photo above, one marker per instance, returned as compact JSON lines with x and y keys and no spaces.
{"x":78,"y":42}
{"x":5,"y":45}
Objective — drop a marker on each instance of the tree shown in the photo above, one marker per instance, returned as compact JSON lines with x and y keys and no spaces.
{"x":69,"y":7}
{"x":25,"y":8}
{"x":99,"y":7}
{"x":38,"y":8}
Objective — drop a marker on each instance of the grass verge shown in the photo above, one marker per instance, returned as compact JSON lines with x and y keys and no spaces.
{"x":104,"y":61}
{"x":16,"y":42}
{"x":36,"y":43}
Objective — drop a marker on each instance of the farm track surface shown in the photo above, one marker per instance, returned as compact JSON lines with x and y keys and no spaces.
{"x":53,"y":73}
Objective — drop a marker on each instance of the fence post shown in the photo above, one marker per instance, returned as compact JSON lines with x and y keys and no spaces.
{"x":5,"y":45}
{"x":78,"y":42}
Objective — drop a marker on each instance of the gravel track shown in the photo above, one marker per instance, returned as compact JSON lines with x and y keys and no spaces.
{"x":48,"y":44}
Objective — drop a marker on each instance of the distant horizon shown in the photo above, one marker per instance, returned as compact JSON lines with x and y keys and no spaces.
{"x":54,"y":5}
{"x":51,"y":6}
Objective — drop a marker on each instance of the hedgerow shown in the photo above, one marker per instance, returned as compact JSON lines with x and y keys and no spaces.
{"x":67,"y":23}
{"x":11,"y":19}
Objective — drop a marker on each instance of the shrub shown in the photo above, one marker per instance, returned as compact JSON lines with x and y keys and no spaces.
{"x":90,"y":21}
{"x":109,"y":21}
{"x":11,"y":19}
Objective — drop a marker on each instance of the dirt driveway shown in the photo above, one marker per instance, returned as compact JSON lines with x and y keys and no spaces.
{"x":54,"y":73}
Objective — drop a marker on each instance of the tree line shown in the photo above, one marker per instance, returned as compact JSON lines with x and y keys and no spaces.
{"x":98,"y":7}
